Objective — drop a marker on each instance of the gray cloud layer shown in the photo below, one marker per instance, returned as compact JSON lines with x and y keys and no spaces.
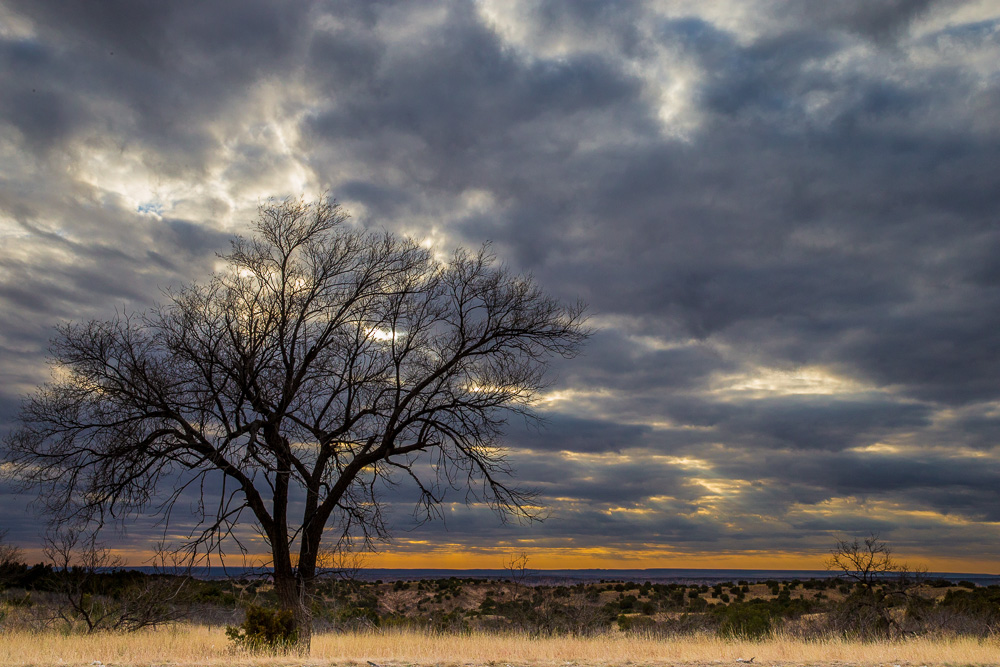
{"x":783,"y":215}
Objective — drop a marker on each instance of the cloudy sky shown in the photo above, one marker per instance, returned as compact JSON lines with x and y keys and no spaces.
{"x":784,"y":214}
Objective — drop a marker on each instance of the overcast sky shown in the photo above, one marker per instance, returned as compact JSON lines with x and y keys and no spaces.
{"x":785,"y":216}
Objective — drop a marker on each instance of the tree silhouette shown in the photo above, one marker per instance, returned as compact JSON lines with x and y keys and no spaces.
{"x":880,"y":583}
{"x":321,"y":362}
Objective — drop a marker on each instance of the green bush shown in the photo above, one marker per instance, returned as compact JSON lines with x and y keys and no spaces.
{"x":745,"y":621}
{"x":265,"y":631}
{"x":697,"y":604}
{"x":361,"y":613}
{"x":980,"y":602}
{"x":635,"y":623}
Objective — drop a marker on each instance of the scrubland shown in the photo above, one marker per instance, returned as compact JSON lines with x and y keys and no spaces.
{"x":468,"y":622}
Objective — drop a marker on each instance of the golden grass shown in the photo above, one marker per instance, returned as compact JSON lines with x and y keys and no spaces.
{"x":195,"y":645}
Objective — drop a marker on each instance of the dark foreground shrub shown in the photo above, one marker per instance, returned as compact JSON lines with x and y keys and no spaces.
{"x":264,"y":631}
{"x":635,"y":623}
{"x":745,"y":621}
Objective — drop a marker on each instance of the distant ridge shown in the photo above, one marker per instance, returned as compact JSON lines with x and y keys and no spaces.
{"x":654,"y":575}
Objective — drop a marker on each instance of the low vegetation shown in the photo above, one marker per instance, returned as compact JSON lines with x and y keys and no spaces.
{"x":88,"y":608}
{"x":35,"y":598}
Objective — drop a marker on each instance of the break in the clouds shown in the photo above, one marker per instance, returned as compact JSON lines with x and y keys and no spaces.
{"x":784,"y":217}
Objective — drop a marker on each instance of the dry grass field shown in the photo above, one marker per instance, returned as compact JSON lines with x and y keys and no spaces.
{"x":196,"y":645}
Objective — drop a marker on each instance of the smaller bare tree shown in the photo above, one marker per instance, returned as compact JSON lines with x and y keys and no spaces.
{"x":9,"y":554}
{"x":11,"y":558}
{"x":881,"y":583}
{"x":517,"y":568}
{"x":92,"y":594}
{"x":863,"y":562}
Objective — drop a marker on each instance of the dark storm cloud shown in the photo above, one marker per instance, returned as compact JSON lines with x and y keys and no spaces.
{"x":621,"y":359}
{"x":158,"y":34}
{"x":168,"y":68}
{"x":806,"y":423}
{"x":813,"y":190}
{"x":462,"y":89}
{"x":802,"y":235}
{"x":587,"y":523}
{"x":104,"y":271}
{"x":952,"y":355}
{"x":565,"y":433}
{"x":188,"y":237}
{"x":604,"y":481}
{"x":955,"y":486}
{"x":9,"y":407}
{"x":872,"y":19}
{"x":459,"y":109}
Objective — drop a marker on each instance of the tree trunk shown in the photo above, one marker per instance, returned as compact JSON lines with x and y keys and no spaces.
{"x":288,"y":585}
{"x":292,"y":597}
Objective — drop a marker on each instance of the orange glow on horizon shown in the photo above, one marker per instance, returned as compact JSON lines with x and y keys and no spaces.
{"x":453,"y":557}
{"x":541,"y":559}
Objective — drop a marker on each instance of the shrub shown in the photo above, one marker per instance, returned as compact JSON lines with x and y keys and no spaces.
{"x":635,"y":623}
{"x":745,"y":621}
{"x":264,"y":630}
{"x":980,"y":602}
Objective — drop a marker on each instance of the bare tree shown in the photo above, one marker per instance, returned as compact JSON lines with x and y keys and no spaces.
{"x":11,"y":559}
{"x":92,"y":593}
{"x":865,"y":562}
{"x":323,"y":362}
{"x":880,"y":584}
{"x":517,"y":568}
{"x":10,"y":554}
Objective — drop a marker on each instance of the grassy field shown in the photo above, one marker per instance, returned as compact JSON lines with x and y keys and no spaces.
{"x":196,"y":645}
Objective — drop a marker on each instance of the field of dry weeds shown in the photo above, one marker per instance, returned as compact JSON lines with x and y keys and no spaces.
{"x":185,"y":645}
